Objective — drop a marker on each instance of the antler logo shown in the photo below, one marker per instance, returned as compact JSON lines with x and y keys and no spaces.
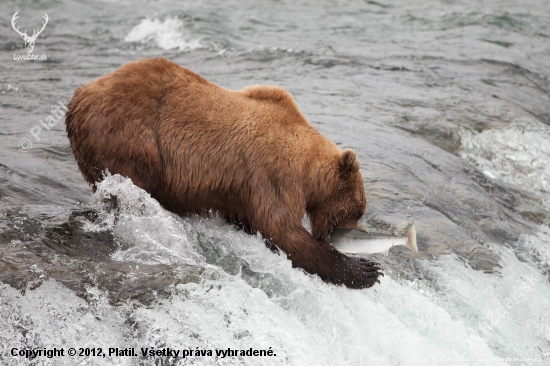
{"x":29,"y":41}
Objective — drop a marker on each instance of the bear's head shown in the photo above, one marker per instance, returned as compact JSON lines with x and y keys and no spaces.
{"x":344,"y":201}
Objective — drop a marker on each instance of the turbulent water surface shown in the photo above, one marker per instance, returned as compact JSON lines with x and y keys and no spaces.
{"x":447,"y":104}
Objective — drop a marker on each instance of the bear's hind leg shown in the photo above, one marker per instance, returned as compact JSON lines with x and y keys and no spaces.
{"x":241,"y":223}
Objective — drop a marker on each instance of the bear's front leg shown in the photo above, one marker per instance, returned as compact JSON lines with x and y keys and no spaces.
{"x":323,"y":260}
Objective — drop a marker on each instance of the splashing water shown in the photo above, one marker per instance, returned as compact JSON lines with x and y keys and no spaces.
{"x":167,"y":34}
{"x":241,"y":295}
{"x":517,"y":154}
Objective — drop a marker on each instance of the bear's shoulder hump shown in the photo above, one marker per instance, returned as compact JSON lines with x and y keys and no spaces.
{"x":268,"y":93}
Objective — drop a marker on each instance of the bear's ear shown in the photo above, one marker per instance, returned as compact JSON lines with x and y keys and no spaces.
{"x":348,"y":162}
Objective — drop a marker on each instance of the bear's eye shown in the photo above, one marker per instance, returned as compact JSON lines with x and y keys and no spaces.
{"x":357,"y":215}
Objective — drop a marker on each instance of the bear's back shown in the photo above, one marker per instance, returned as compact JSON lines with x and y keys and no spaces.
{"x":147,"y":112}
{"x":147,"y":78}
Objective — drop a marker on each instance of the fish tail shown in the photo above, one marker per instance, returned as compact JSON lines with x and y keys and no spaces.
{"x":360,"y":226}
{"x":411,"y":235}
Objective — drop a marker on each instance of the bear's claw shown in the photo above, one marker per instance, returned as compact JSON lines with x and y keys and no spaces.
{"x":361,"y":273}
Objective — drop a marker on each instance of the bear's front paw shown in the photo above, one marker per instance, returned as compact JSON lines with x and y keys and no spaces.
{"x":360,"y":273}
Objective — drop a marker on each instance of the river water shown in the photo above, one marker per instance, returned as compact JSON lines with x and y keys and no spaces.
{"x":447,"y":104}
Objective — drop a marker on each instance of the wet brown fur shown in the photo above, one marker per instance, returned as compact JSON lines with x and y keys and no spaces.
{"x":249,"y":155}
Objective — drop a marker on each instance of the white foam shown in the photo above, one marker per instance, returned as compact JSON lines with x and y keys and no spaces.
{"x":538,"y":246}
{"x":157,"y":236}
{"x":249,"y":297}
{"x":52,"y":316}
{"x":167,"y":34}
{"x":518,"y":153}
{"x":304,"y":320}
{"x":504,"y":309}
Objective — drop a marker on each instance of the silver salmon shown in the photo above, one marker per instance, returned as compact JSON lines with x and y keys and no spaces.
{"x":359,"y":241}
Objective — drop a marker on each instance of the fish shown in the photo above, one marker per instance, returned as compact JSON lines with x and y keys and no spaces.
{"x":360,"y":241}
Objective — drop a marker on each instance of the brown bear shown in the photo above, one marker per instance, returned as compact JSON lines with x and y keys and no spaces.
{"x":249,"y":156}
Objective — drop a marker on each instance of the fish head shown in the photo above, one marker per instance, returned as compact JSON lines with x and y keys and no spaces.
{"x":346,"y":204}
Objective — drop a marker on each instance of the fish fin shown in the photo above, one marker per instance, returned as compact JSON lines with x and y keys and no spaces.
{"x":411,"y":235}
{"x":386,"y":252}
